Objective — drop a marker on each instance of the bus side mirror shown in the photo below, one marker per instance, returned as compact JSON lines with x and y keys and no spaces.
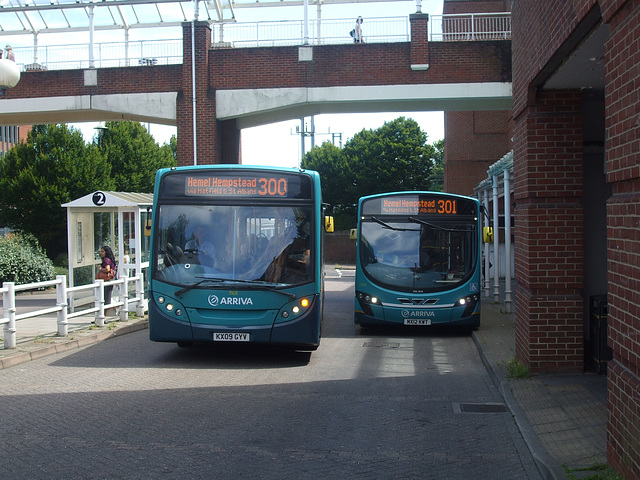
{"x":328,"y":224}
{"x":487,"y":234}
{"x":353,"y":234}
{"x":147,"y":228}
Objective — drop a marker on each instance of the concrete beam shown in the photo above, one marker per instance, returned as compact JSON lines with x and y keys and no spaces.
{"x":253,"y":107}
{"x":141,"y":107}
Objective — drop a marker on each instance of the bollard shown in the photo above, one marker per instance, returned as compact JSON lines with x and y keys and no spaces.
{"x":99,"y":302}
{"x":61,"y":301}
{"x":140,"y":306}
{"x":9,"y":303}
{"x":124,"y":296}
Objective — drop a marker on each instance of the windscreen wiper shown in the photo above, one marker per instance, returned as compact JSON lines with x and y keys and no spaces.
{"x":438,"y":227}
{"x":386,"y":225}
{"x":255,"y":285}
{"x":189,"y":287}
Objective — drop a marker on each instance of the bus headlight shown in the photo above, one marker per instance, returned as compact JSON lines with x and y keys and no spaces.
{"x":366,"y":301}
{"x":296,"y":308}
{"x":469,"y":302}
{"x":468,"y":299}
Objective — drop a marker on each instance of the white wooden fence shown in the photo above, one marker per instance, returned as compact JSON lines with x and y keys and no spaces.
{"x":64,"y":296}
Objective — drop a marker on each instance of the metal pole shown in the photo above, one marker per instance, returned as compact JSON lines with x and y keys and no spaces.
{"x":507,"y":240}
{"x":496,"y":243}
{"x":35,"y":48}
{"x":91,"y":60}
{"x":487,"y":261}
{"x":306,"y":22}
{"x":319,"y":20}
{"x":193,"y":80}
{"x":302,"y":133}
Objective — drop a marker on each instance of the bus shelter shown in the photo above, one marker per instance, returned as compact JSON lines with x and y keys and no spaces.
{"x":116,"y":219}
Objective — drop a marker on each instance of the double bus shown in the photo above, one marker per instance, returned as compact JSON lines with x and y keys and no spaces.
{"x":237,"y":256}
{"x":418,"y":260}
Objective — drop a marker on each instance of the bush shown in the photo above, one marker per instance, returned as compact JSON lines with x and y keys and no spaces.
{"x":22,"y":260}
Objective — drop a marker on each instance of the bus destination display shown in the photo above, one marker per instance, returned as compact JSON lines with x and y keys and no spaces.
{"x":418,"y":205}
{"x":241,"y":185}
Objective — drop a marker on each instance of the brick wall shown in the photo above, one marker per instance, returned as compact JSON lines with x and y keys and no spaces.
{"x":549,"y":249}
{"x":623,"y":234}
{"x":473,"y":142}
{"x":338,"y":248}
{"x":475,"y":6}
{"x":53,"y":83}
{"x":354,"y":65}
{"x":544,"y":34}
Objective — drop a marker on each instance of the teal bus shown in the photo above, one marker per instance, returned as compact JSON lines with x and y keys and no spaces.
{"x":237,"y":256}
{"x":418,"y":260}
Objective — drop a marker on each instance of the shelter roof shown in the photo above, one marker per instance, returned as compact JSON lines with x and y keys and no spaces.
{"x":112,"y":199}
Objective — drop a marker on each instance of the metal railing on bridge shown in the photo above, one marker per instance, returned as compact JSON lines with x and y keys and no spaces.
{"x":463,"y":27}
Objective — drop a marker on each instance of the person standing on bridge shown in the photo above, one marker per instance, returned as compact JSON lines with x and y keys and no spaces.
{"x":357,"y":32}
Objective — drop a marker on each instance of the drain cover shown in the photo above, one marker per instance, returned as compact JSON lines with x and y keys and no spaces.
{"x":480,"y":407}
{"x":381,"y":345}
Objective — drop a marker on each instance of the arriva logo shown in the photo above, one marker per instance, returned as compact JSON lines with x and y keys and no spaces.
{"x":418,"y":313}
{"x":214,"y":301}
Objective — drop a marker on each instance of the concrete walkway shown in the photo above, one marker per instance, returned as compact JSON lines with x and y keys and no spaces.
{"x":563,"y":418}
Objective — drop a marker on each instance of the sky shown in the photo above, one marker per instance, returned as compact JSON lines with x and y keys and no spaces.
{"x":278,"y":144}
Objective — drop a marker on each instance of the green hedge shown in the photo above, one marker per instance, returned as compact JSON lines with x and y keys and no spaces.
{"x":22,"y":260}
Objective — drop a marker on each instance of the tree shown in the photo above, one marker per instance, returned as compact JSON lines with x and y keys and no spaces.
{"x":53,"y":167}
{"x":394,"y":157}
{"x":134,"y":155}
{"x":330,"y":163}
{"x":437,"y":173}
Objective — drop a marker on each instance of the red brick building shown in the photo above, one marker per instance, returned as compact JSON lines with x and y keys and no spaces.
{"x":576,"y":132}
{"x":474,"y":140}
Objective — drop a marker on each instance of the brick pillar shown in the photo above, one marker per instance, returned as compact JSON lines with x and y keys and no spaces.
{"x":419,"y":41}
{"x":548,"y":172}
{"x":205,"y":99}
{"x":229,"y":143}
{"x":623,"y":236}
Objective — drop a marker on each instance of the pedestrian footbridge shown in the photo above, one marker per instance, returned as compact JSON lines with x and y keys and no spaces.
{"x":217,"y":88}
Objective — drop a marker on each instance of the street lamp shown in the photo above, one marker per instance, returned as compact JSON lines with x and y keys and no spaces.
{"x":101,"y":129}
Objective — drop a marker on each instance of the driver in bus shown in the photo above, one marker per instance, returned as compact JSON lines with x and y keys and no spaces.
{"x":202,"y":244}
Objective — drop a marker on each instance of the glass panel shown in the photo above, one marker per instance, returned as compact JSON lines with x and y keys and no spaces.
{"x":144,"y":239}
{"x":265,"y":244}
{"x":102,"y":222}
{"x":83,"y":275}
{"x":409,"y":256}
{"x":128,"y":235}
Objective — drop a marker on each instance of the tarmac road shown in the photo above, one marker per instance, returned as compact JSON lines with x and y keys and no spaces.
{"x":371,"y":404}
